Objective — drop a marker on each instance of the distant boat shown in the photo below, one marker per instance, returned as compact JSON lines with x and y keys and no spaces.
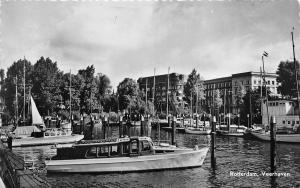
{"x":198,"y":130}
{"x":37,"y":134}
{"x":284,"y":138}
{"x":234,"y":130}
{"x":123,"y":155}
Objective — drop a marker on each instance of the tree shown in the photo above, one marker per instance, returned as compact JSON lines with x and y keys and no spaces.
{"x":193,"y":88}
{"x":128,"y":92}
{"x":15,"y":76}
{"x":287,"y":79}
{"x":46,"y":79}
{"x":88,"y":89}
{"x":255,"y":104}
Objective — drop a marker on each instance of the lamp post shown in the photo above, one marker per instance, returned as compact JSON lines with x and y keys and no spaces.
{"x":248,"y":119}
{"x":238,"y":120}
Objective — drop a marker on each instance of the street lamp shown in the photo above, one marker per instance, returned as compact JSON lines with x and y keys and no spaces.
{"x":238,"y":120}
{"x":248,"y":119}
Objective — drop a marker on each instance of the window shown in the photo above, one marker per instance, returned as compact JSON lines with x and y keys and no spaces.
{"x":283,"y":122}
{"x":145,"y":146}
{"x":242,"y":82}
{"x":125,"y":148}
{"x":259,"y":82}
{"x":273,"y":82}
{"x":103,"y":151}
{"x":91,"y":153}
{"x":248,"y":82}
{"x":254,"y":81}
{"x":297,"y":122}
{"x":114,"y":150}
{"x":289,"y":122}
{"x":134,"y":146}
{"x":268,"y":82}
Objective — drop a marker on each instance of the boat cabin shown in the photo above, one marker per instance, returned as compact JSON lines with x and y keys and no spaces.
{"x":105,"y":148}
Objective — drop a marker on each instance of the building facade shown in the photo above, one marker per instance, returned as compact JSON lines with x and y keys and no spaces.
{"x":229,"y":87}
{"x":159,"y":94}
{"x":285,"y":112}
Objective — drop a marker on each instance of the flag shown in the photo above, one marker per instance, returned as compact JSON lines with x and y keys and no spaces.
{"x":265,"y":54}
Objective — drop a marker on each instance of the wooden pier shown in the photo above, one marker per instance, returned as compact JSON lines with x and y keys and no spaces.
{"x":13,"y":172}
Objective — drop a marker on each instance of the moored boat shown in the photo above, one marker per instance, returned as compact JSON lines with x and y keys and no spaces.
{"x":284,"y":138}
{"x":123,"y":155}
{"x":234,"y":130}
{"x":198,"y":130}
{"x":47,"y":137}
{"x":37,"y":134}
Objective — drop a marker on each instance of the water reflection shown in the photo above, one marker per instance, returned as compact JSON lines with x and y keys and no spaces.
{"x":233,"y":154}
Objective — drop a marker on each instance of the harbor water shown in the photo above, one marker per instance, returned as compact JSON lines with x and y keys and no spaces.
{"x":239,"y":163}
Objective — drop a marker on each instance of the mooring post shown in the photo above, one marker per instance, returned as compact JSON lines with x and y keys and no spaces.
{"x":105,"y":127}
{"x":213,"y":138}
{"x":142,"y":131}
{"x":173,"y":130}
{"x":92,"y":127}
{"x":9,"y":142}
{"x":121,"y":131}
{"x":197,"y":116}
{"x":273,"y":144}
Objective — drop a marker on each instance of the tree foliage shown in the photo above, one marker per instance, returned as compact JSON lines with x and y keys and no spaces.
{"x":193,"y":88}
{"x":15,"y":76}
{"x":287,"y":78}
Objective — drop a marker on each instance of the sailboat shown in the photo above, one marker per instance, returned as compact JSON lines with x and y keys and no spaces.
{"x":37,"y":134}
{"x":282,"y":137}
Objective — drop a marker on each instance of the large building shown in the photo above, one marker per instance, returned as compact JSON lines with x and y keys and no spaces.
{"x":175,"y":97}
{"x":285,"y":112}
{"x":229,"y":87}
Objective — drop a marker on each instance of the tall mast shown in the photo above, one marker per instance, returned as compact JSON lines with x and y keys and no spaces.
{"x":168,"y":93}
{"x":17,"y":102}
{"x":154,"y":90}
{"x":24,"y":92}
{"x":261,"y":98}
{"x":224,"y":103}
{"x":296,"y":72}
{"x":146,"y":92}
{"x":264,"y":79}
{"x":70,"y":97}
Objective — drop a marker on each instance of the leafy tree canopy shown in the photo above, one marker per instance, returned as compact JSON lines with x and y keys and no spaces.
{"x":287,"y":78}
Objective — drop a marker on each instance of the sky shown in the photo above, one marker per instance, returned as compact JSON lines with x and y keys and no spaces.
{"x":131,"y":38}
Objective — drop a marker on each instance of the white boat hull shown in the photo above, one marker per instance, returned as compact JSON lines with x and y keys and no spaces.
{"x":197,"y":131}
{"x":31,"y":141}
{"x":184,"y":159}
{"x":288,"y":138}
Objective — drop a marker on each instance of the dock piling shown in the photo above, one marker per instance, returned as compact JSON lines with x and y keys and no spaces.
{"x":121,"y":130}
{"x":142,"y":128}
{"x":273,"y":144}
{"x":173,"y":130}
{"x":213,"y":138}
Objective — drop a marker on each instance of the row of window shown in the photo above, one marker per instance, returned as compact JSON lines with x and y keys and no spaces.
{"x":268,"y":82}
{"x":218,"y":85}
{"x":278,"y":103}
{"x":289,"y":122}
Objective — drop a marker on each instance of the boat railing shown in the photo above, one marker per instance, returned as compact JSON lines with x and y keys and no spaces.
{"x":158,"y":142}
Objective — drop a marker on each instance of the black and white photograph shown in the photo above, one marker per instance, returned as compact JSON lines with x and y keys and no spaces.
{"x":149,"y":93}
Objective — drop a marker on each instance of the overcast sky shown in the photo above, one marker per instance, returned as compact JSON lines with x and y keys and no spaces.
{"x":130,"y":39}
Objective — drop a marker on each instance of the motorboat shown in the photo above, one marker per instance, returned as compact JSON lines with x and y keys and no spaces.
{"x":234,"y":130}
{"x":125,"y":154}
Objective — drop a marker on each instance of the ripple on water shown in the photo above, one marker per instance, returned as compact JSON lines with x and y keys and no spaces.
{"x":233,"y":154}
